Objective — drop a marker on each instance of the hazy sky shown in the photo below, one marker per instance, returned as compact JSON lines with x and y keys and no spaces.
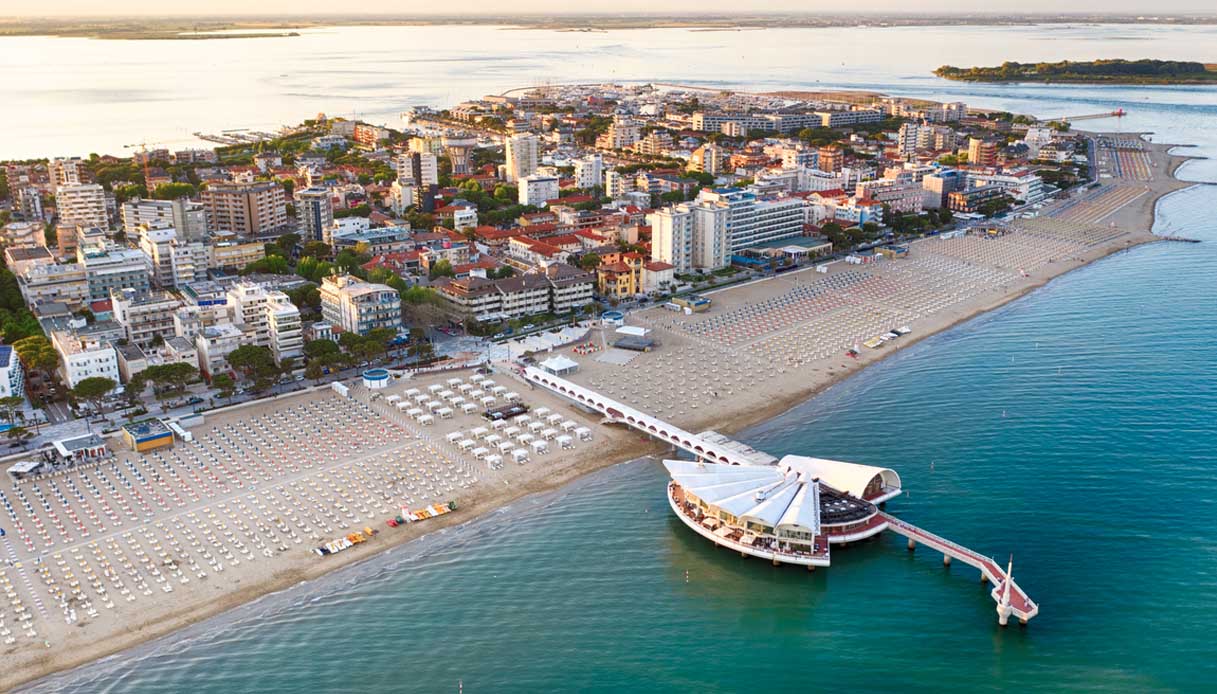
{"x":398,"y":7}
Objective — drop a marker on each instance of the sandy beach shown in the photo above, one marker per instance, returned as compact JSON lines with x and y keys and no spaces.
{"x":762,"y":348}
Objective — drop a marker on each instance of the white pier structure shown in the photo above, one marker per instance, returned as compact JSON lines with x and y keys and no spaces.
{"x":788,"y":511}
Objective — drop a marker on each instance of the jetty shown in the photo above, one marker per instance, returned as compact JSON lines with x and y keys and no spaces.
{"x":1118,"y":113}
{"x":788,"y":511}
{"x":1010,"y":598}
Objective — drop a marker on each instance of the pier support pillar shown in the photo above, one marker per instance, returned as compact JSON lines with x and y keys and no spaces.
{"x":983,"y":578}
{"x":776,"y":562}
{"x":912,"y":545}
{"x":744,"y":555}
{"x":946,"y":560}
{"x":811,"y":567}
{"x":1003,"y":614}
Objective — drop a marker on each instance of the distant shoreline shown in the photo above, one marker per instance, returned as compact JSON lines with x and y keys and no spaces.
{"x":1112,"y":71}
{"x":202,"y":27}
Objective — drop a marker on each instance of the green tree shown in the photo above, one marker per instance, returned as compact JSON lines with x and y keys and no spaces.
{"x":37,"y":353}
{"x":589,"y":261}
{"x":172,"y":191}
{"x":274,"y":264}
{"x":9,"y":406}
{"x":442,"y":268}
{"x":288,"y":243}
{"x":316,"y":249}
{"x":93,"y":390}
{"x":320,"y":348}
{"x":314,"y":370}
{"x":254,"y":362}
{"x":224,"y":384}
{"x":171,"y":379}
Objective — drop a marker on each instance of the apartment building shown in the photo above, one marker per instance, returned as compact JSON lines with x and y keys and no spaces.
{"x":671,"y":237}
{"x":172,"y":262}
{"x":589,"y":171}
{"x":84,"y":356}
{"x":901,"y":196}
{"x":691,"y":236}
{"x":233,"y":255}
{"x":246,"y":303}
{"x":23,"y":234}
{"x":65,"y":282}
{"x":622,"y":133}
{"x":29,"y":202}
{"x":12,"y":374}
{"x":182,"y":214}
{"x":558,"y":288}
{"x":522,"y":153}
{"x":315,"y":212}
{"x":617,"y":184}
{"x":709,"y":158}
{"x":417,"y":169}
{"x":570,"y":288}
{"x":68,"y":172}
{"x":144,"y":316}
{"x":113,"y":268}
{"x":752,"y":220}
{"x":213,"y":345}
{"x":283,"y":327}
{"x":249,"y":210}
{"x":1020,"y":184}
{"x":982,"y":152}
{"x":18,"y":259}
{"x":536,"y":190}
{"x":82,"y":204}
{"x":841,"y":119}
{"x":354,"y":305}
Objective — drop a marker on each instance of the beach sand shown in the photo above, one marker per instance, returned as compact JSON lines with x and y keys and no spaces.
{"x":752,"y":401}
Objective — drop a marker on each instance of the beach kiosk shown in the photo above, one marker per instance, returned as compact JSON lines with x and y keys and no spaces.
{"x":146,"y":435}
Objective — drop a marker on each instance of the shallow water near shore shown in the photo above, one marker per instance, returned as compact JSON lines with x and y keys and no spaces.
{"x":1072,"y":428}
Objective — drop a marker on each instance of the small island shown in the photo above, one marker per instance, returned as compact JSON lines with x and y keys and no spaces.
{"x":1098,"y":71}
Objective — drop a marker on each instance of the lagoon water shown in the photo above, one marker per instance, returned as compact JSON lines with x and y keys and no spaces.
{"x":73,"y":96}
{"x":1073,"y":428}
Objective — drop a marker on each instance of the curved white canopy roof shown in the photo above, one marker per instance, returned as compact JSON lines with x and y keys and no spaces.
{"x":842,"y":476}
{"x":767,"y":494}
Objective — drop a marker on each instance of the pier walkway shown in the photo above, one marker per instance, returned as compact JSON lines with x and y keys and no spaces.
{"x":1011,"y":600}
{"x":1118,"y":113}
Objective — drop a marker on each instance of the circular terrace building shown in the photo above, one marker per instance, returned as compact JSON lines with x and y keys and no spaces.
{"x":789,"y":512}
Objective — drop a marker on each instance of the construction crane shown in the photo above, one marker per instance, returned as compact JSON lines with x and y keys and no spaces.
{"x":143,"y":148}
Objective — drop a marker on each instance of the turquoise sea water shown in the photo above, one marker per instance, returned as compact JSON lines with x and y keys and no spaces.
{"x":1073,"y":428}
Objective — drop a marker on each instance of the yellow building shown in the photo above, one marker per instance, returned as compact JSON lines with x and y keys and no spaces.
{"x":619,"y":275}
{"x":147,"y":435}
{"x":229,"y":254}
